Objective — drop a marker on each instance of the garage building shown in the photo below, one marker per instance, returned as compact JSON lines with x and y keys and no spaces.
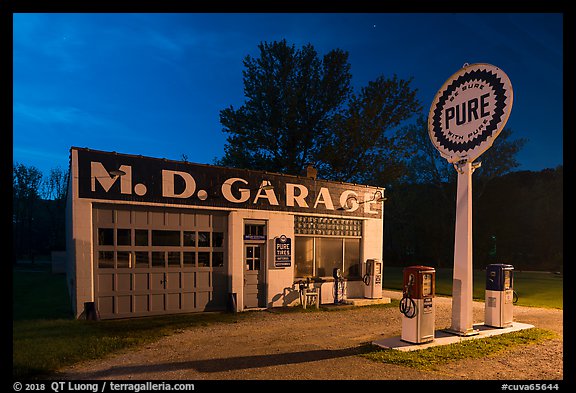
{"x":150,"y":236}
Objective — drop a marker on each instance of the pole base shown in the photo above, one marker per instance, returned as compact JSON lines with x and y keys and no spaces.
{"x":466,"y":333}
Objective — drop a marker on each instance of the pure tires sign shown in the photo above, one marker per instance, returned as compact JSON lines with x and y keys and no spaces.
{"x":469,"y":112}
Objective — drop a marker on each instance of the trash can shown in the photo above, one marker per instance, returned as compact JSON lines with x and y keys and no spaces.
{"x":91,"y":312}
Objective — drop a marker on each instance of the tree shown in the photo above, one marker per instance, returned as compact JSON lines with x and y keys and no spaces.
{"x":301,"y":109}
{"x":420,"y":211}
{"x":427,"y":166}
{"x":26,"y":183}
{"x":54,"y":194}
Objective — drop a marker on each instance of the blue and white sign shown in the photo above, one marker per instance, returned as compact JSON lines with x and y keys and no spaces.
{"x":282,"y":251}
{"x":469,"y":112}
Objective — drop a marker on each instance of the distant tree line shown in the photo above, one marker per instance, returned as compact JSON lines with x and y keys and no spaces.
{"x":38,"y":210}
{"x":518,"y":219}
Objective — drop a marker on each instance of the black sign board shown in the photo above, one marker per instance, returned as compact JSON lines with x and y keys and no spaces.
{"x":113,"y":176}
{"x":282,"y":251}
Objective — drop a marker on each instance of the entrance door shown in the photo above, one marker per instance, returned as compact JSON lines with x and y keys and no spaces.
{"x":254,"y":283}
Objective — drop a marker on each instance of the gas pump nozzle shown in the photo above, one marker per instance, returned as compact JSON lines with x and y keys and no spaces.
{"x":407,"y":305}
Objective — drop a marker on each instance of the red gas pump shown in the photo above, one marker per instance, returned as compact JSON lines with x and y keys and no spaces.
{"x":417,"y":305}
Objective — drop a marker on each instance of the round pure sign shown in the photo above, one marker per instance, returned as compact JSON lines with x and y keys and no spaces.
{"x":469,"y":111}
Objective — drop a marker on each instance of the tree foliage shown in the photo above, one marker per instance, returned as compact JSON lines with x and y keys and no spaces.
{"x":38,"y":208}
{"x":301,"y":109}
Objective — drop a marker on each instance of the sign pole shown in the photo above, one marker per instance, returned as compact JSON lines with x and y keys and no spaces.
{"x":467,"y":114}
{"x":462,"y":284}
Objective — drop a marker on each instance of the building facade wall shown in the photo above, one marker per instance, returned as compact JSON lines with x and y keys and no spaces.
{"x":279,"y":284}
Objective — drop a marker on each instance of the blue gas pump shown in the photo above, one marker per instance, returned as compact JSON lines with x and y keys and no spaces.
{"x":500,"y":295}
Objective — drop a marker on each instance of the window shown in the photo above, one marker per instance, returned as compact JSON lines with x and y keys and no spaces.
{"x":189,"y":239}
{"x":105,"y":236}
{"x":189,"y":259}
{"x":141,"y":259}
{"x":157,"y":258}
{"x":165,"y":238}
{"x":123,"y":237}
{"x":141,"y":237}
{"x":123,"y":259}
{"x":254,"y":232}
{"x":217,"y":259}
{"x":217,"y":239}
{"x":351,"y":258}
{"x":203,"y":259}
{"x":304,"y":256}
{"x":328,"y":254}
{"x":106,"y":259}
{"x":173,"y":259}
{"x":318,"y":256}
{"x":188,"y":244}
{"x":203,"y":239}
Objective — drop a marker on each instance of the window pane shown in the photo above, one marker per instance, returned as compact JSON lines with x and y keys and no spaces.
{"x":352,"y":258}
{"x":328,"y":255}
{"x":142,"y":258}
{"x":203,"y":239}
{"x":217,"y":259}
{"x":105,"y":236}
{"x":106,"y":259}
{"x":123,"y":237}
{"x":158,"y":259}
{"x":141,"y":237}
{"x":189,"y":239}
{"x":173,"y":258}
{"x":304,"y":256}
{"x":189,"y":258}
{"x":203,"y":259}
{"x":123,"y":259}
{"x":165,"y":238}
{"x":217,"y":239}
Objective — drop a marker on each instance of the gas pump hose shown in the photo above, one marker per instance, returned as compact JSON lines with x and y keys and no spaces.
{"x":408,"y":307}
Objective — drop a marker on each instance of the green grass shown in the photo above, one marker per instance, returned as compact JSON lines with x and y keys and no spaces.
{"x":468,"y":349}
{"x":38,"y":294}
{"x":41,"y":347}
{"x":534,"y":289}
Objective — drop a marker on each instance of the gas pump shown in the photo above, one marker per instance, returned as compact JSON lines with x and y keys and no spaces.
{"x":417,"y":305}
{"x":500,"y":295}
{"x":339,"y":286}
{"x":372,"y":279}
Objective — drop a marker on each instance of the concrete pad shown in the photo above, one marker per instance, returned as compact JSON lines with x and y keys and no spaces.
{"x":443,"y":337}
{"x":367,"y":302}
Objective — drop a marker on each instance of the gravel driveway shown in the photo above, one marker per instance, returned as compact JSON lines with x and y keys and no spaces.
{"x":319,"y":345}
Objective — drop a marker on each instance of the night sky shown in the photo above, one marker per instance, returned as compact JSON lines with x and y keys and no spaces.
{"x":154,"y":84}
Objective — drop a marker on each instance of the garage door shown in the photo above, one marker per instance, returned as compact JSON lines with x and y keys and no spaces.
{"x":158,"y":261}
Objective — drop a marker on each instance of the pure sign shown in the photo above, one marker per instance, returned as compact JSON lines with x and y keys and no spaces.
{"x":283,"y":251}
{"x":469,"y":112}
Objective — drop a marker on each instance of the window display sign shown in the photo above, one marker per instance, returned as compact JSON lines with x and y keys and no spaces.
{"x":282,"y":251}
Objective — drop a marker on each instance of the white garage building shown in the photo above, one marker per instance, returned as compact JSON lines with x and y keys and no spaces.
{"x":149,"y":236}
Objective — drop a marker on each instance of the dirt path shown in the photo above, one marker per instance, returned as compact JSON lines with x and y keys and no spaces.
{"x":324,"y":345}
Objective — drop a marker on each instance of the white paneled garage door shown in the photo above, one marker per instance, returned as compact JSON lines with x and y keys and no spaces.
{"x":150,"y":261}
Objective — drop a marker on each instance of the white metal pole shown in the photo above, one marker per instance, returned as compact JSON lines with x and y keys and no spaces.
{"x":462,"y":317}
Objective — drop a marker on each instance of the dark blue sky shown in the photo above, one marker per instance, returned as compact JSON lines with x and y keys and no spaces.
{"x":154,"y":84}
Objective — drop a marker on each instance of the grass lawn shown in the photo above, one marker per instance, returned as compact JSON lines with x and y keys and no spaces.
{"x":431,"y":357}
{"x":534,"y":289}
